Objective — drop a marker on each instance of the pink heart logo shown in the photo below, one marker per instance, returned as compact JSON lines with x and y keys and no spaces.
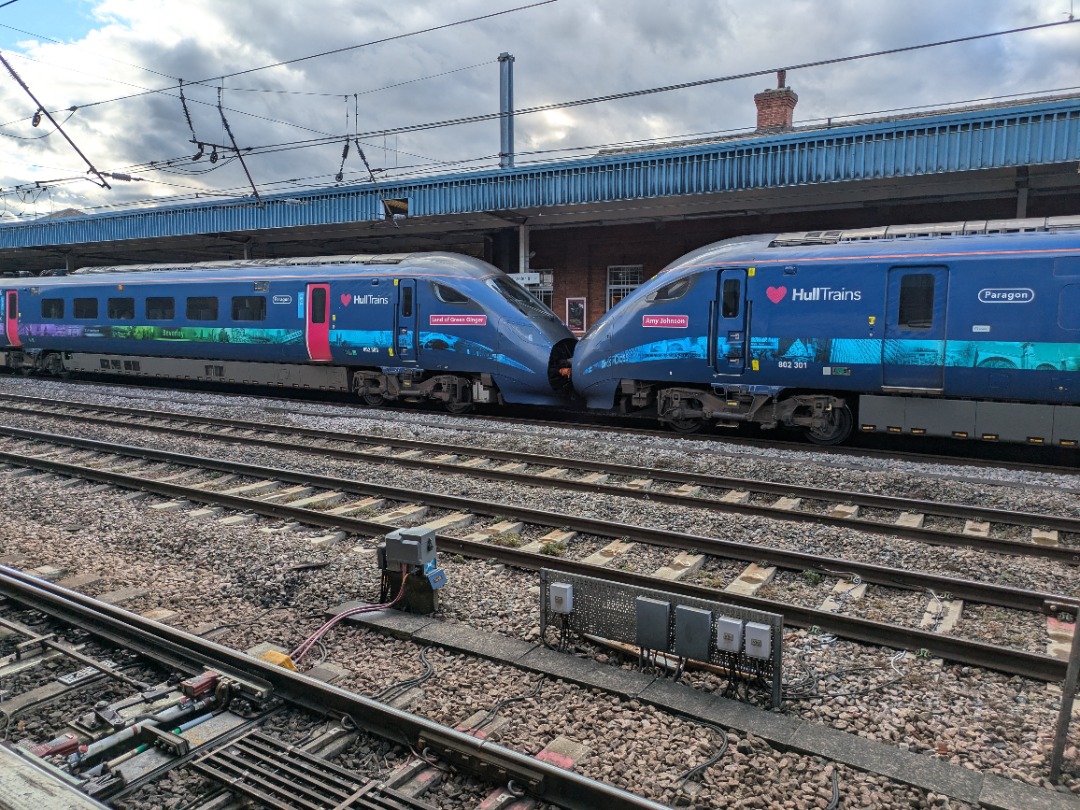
{"x":776,"y":294}
{"x":345,"y":299}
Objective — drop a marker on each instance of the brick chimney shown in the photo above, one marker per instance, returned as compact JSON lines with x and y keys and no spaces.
{"x":775,"y":107}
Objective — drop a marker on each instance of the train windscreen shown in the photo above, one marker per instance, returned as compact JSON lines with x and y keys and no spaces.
{"x":521,"y":299}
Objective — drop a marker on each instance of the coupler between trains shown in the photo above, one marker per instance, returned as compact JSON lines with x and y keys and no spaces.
{"x":825,"y":418}
{"x":456,"y":393}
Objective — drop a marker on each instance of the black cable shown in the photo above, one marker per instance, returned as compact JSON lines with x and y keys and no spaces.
{"x":493,"y":712}
{"x":832,"y":805}
{"x":396,"y":689}
{"x":697,"y":770}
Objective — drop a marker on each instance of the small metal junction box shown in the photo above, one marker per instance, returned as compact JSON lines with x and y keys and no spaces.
{"x":410,"y":547}
{"x":729,"y":632}
{"x":562,"y":597}
{"x":693,"y":632}
{"x":653,"y":620}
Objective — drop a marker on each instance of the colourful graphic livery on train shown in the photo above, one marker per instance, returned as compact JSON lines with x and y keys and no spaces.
{"x":427,"y":326}
{"x":974,"y":334}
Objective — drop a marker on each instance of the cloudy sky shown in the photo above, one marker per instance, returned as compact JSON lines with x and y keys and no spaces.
{"x":119,"y":63}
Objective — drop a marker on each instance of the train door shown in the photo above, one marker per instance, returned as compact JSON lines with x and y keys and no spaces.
{"x":317,"y":322}
{"x":913,"y":351}
{"x":11,"y":317}
{"x":405,"y":320}
{"x":730,"y":313}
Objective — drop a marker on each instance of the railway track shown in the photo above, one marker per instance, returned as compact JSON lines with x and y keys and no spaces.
{"x":893,"y":448}
{"x":1051,"y":537}
{"x":337,"y":504}
{"x":117,"y":702}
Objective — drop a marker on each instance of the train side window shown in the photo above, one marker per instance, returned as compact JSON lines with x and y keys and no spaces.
{"x":249,"y":308}
{"x":160,"y":309}
{"x":916,"y":301}
{"x":406,"y":302}
{"x":52,"y":309}
{"x":86,"y":307}
{"x":121,"y":309}
{"x":448,"y":295}
{"x":202,"y":308}
{"x":318,"y":305}
{"x":673,"y":291}
{"x":730,"y":298}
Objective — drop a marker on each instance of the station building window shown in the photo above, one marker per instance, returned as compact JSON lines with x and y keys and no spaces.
{"x":622,"y":279}
{"x":545,"y":290}
{"x":86,"y":307}
{"x":121,"y":309}
{"x":160,"y":309}
{"x":249,"y":308}
{"x":52,"y":309}
{"x":202,"y":308}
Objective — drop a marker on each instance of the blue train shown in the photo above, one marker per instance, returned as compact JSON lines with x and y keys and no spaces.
{"x":967,"y":330}
{"x":425,"y":326}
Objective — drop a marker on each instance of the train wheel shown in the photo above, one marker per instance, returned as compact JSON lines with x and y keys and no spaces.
{"x":458,"y":407}
{"x":372,"y":400}
{"x":686,"y":425}
{"x":837,"y":428}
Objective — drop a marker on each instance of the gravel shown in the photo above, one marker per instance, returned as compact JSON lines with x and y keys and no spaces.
{"x":248,"y":577}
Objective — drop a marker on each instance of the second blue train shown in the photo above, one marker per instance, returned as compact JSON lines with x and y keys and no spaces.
{"x":963,"y":330}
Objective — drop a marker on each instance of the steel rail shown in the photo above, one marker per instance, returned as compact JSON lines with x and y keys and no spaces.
{"x":985,"y":593}
{"x":602,"y":424}
{"x":977,"y":653}
{"x":1063,"y":554}
{"x":487,"y":760}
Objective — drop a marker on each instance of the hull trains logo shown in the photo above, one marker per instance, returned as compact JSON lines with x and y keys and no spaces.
{"x":1006,"y":295}
{"x":347,"y":298}
{"x":777,"y":294}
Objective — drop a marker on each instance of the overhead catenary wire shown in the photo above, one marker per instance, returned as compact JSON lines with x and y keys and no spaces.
{"x":383,"y":40}
{"x":60,"y":129}
{"x":270,"y":148}
{"x":273,"y":148}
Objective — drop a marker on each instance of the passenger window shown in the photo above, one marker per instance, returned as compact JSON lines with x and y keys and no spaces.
{"x":730,"y":298}
{"x":160,"y":309}
{"x":202,"y":309}
{"x":86,"y":307}
{"x":406,"y":302}
{"x":249,"y":308}
{"x":448,"y":295}
{"x":318,"y":305}
{"x":52,"y":309}
{"x":673,"y":291}
{"x":121,"y":309}
{"x":916,"y":301}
